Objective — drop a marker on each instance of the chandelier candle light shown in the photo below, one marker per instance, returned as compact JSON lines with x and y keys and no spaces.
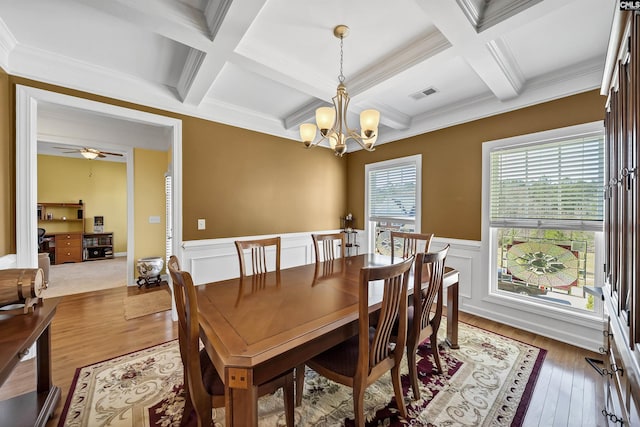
{"x":332,"y":121}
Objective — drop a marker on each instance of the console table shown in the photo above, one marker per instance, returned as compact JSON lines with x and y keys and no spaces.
{"x":18,"y":332}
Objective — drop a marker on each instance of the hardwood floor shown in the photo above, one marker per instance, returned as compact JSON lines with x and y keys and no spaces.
{"x":91,"y":327}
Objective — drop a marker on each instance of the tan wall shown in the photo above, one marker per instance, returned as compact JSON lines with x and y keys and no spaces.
{"x":7,"y":169}
{"x":101,"y":185}
{"x":241,"y":182}
{"x":452,"y":161}
{"x":149,"y":200}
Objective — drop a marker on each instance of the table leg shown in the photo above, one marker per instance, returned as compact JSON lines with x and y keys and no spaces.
{"x":242,"y":402}
{"x":452,"y":316}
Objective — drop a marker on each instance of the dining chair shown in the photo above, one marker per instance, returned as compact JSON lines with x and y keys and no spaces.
{"x":362,"y":359}
{"x":257,"y":249}
{"x":203,"y":386}
{"x":410,"y":243}
{"x":423,"y":321}
{"x":325,"y":246}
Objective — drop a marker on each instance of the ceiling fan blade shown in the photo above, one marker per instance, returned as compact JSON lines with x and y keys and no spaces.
{"x":111,"y":154}
{"x":101,"y":155}
{"x":73,"y":150}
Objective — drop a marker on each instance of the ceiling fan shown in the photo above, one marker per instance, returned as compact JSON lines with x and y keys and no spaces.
{"x":89,"y":153}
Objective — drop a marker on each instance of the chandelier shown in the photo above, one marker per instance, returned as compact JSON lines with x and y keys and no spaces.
{"x":332,"y":121}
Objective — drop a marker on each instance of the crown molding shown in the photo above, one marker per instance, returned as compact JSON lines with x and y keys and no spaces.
{"x":7,"y":44}
{"x":214,"y":14}
{"x":189,"y":72}
{"x":507,"y":63}
{"x":497,"y":11}
{"x":420,"y":50}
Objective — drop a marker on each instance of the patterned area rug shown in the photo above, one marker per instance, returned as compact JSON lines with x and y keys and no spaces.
{"x":488,"y":382}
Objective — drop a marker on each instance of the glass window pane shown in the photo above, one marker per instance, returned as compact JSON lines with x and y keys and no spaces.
{"x":552,"y":266}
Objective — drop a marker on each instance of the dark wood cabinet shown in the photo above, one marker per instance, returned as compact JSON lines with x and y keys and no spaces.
{"x":97,"y":246}
{"x":17,"y":334}
{"x":621,"y":368}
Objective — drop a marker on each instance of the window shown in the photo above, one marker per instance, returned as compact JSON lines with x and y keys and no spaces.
{"x":392,"y":199}
{"x":545,"y":215}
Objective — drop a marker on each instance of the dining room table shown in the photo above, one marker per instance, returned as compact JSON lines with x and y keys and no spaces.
{"x":255,"y":328}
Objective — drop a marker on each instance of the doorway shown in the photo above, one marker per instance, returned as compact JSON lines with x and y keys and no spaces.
{"x":28,"y":100}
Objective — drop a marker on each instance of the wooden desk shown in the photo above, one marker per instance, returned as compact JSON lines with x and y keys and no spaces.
{"x":255,"y":329}
{"x":18,"y":332}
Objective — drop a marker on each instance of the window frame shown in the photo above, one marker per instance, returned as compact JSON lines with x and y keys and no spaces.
{"x":415,"y":160}
{"x":489,"y":233}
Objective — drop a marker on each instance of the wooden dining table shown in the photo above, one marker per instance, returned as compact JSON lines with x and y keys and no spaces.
{"x":257,"y":327}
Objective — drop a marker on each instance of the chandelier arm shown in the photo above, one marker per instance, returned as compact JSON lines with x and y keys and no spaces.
{"x":315,"y":143}
{"x":360,"y":140}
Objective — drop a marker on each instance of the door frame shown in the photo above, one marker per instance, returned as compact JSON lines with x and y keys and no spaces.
{"x":27,"y":101}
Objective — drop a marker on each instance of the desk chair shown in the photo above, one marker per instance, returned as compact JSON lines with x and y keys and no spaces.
{"x":41,"y":233}
{"x":325,"y":246}
{"x":203,"y":386}
{"x":424,"y":323}
{"x":258,"y":254}
{"x":362,"y":359}
{"x":410,"y":243}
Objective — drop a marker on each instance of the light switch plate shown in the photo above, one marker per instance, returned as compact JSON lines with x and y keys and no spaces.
{"x":154,"y":220}
{"x":201,"y":224}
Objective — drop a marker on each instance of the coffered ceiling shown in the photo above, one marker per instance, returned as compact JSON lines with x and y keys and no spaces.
{"x":266,"y":65}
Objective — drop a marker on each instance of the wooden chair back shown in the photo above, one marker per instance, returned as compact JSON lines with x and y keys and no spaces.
{"x":425,"y":320}
{"x":375,"y":355}
{"x":325,"y":246}
{"x":189,"y":339}
{"x":424,"y":305}
{"x":257,"y":249}
{"x":410,"y":243}
{"x":360,"y":360}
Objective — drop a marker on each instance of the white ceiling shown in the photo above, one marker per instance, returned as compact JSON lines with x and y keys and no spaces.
{"x":266,"y":65}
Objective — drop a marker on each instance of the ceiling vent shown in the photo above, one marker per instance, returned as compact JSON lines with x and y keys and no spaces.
{"x":424,"y":93}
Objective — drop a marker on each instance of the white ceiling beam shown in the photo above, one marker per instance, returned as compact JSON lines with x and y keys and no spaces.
{"x":167,"y":18}
{"x":490,"y":59}
{"x":239,"y":17}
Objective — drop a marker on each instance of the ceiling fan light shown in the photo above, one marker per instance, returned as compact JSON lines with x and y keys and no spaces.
{"x":369,"y":119}
{"x":325,"y":118}
{"x":307,"y":133}
{"x":87,"y":154}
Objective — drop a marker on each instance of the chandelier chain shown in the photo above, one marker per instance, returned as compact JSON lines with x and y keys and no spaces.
{"x":341,"y":76}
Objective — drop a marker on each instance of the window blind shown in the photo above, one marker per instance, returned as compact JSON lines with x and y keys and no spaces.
{"x":557,"y":182}
{"x":392,"y":192}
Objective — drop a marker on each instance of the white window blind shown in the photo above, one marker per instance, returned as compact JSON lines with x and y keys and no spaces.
{"x":553,"y":183}
{"x":392,"y":192}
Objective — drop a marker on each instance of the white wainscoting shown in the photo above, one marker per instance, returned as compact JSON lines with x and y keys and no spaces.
{"x":217,"y":259}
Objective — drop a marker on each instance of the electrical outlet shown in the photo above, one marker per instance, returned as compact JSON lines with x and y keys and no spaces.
{"x":201,"y":224}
